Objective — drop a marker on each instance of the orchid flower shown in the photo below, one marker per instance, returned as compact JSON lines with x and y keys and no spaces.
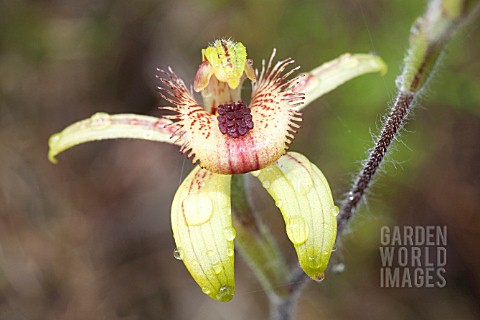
{"x":227,"y":136}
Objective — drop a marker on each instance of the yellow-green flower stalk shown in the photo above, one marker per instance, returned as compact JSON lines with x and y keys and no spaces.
{"x":228,"y":136}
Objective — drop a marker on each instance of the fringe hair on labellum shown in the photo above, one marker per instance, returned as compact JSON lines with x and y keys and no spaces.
{"x":272,"y":110}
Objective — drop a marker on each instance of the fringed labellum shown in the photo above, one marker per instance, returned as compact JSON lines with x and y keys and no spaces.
{"x":228,"y":142}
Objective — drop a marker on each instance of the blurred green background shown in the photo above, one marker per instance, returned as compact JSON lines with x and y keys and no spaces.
{"x":90,"y":237}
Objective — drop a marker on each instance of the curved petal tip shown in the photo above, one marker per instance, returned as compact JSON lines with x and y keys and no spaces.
{"x":303,"y":195}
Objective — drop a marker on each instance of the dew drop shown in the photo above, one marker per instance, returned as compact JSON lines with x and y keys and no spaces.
{"x":302,"y":183}
{"x":336,"y":210}
{"x":299,"y":176}
{"x":100,"y":120}
{"x":230,"y":233}
{"x":279,"y":203}
{"x":314,"y":262}
{"x":217,"y":267}
{"x":255,"y":173}
{"x":206,"y":290}
{"x":198,"y":209}
{"x":230,"y":252}
{"x":297,"y":230}
{"x":320,"y":278}
{"x":225,"y":293}
{"x":178,"y":253}
{"x":266,"y":184}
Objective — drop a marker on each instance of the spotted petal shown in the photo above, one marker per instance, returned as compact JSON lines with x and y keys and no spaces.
{"x":103,"y":126}
{"x":203,"y":232}
{"x":302,"y":194}
{"x":228,"y":61}
{"x":334,"y":73}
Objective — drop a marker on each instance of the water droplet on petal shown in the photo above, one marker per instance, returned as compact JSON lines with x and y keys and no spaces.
{"x":178,"y":253}
{"x":266,"y":184}
{"x":297,"y":230}
{"x":230,"y":252}
{"x":255,"y":173}
{"x":198,"y":209}
{"x":206,"y":290}
{"x":320,"y":278}
{"x":210,"y":253}
{"x":314,"y":262}
{"x":279,"y":203}
{"x":217,"y":267}
{"x":230,"y":233}
{"x":225,"y":293}
{"x":100,"y":120}
{"x":336,"y":210}
{"x":302,"y":181}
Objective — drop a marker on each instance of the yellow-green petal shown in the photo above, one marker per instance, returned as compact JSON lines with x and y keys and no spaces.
{"x":103,"y":126}
{"x":228,"y":59}
{"x":334,"y":73}
{"x":303,"y":195}
{"x":203,"y":231}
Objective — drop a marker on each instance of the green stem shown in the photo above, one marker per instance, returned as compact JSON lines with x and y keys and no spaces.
{"x":256,"y":244}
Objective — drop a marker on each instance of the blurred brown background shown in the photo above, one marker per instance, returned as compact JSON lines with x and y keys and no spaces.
{"x":90,"y":237}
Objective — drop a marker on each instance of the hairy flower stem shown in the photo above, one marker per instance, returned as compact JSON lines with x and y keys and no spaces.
{"x":428,"y":37}
{"x":256,"y":244}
